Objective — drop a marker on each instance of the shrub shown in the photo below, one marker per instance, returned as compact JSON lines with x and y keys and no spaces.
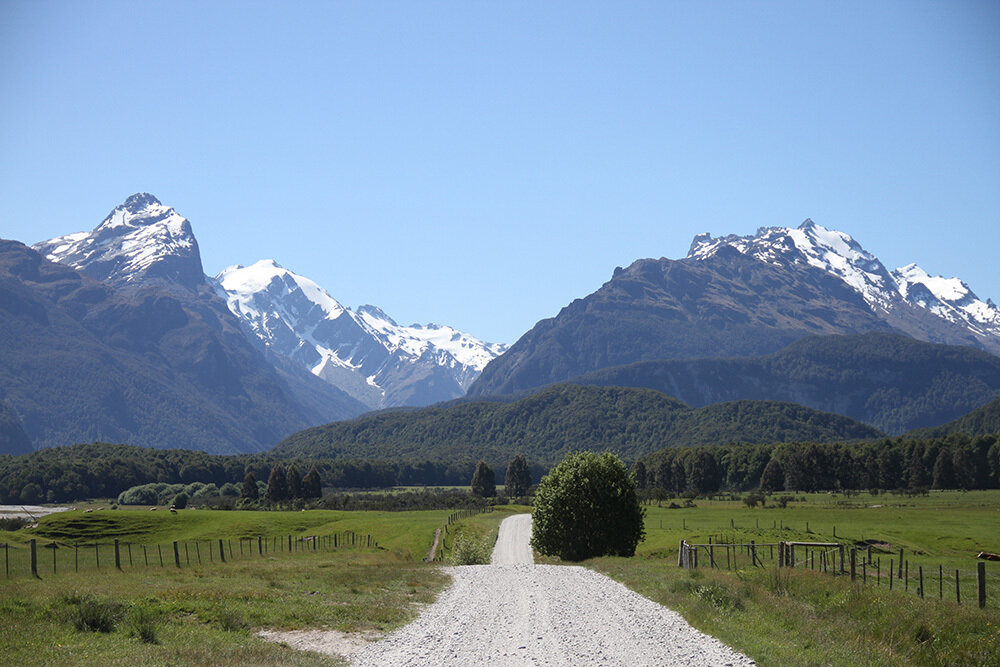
{"x":587,"y":506}
{"x":518,"y":479}
{"x":181,"y":500}
{"x":469,"y":550}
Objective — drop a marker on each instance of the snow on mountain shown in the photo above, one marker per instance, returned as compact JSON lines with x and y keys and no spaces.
{"x":139,"y":239}
{"x":364,"y":352}
{"x":949,"y":298}
{"x":839,"y":254}
{"x":832,"y":251}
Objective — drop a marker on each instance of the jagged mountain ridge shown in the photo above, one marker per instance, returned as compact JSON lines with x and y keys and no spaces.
{"x":741,"y":296}
{"x":294,"y":322}
{"x":83,"y":360}
{"x":365,"y":352}
{"x":837,"y":253}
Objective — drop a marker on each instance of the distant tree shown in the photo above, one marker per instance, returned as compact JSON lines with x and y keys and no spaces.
{"x":249,"y":490}
{"x":587,"y":506}
{"x":277,"y":485}
{"x":916,"y":472}
{"x":31,"y":493}
{"x":180,"y":500}
{"x":484,"y":482}
{"x":294,"y":482}
{"x":993,"y":462}
{"x":944,"y":477}
{"x":639,"y":470}
{"x":703,"y":477}
{"x":663,"y":477}
{"x":890,"y":467}
{"x":518,"y":479}
{"x":773,"y":477}
{"x":312,"y":484}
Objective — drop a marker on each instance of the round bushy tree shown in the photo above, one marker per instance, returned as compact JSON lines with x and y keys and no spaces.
{"x":587,"y":506}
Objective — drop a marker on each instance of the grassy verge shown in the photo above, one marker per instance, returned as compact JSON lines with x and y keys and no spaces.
{"x":208,"y":613}
{"x":801,"y":617}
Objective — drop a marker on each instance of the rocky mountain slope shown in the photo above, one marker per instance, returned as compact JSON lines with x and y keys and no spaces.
{"x":740,"y":296}
{"x":364,"y":352}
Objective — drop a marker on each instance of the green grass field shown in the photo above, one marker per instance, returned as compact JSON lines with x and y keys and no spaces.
{"x":802,"y":617}
{"x":208,"y":613}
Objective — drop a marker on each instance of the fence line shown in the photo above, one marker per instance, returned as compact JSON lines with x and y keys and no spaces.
{"x":37,"y":559}
{"x":983,"y":590}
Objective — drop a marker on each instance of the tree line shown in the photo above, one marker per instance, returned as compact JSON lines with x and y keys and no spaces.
{"x":956,"y":461}
{"x":100,"y":470}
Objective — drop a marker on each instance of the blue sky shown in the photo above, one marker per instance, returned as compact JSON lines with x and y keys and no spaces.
{"x":481,"y":164}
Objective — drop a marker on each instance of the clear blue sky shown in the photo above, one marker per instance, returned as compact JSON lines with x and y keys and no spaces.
{"x":481,"y":164}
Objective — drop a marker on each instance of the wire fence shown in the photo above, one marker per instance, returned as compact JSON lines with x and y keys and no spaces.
{"x":965,"y":585}
{"x":47,"y":558}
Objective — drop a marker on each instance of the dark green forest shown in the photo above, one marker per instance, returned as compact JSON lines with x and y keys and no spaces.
{"x":957,"y":461}
{"x":550,"y":424}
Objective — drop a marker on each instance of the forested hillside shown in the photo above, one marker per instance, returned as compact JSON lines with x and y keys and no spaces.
{"x":893,"y":382}
{"x":983,"y":420}
{"x":564,"y":418}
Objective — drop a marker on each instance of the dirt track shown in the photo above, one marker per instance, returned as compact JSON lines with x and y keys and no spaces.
{"x":516,"y":613}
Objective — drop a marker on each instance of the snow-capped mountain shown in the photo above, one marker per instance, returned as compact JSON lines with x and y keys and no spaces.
{"x":840,"y":255}
{"x":139,"y":240}
{"x":364,"y":352}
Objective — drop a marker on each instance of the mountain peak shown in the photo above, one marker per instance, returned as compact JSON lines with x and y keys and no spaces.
{"x":140,"y":238}
{"x":807,"y":224}
{"x":139,"y":202}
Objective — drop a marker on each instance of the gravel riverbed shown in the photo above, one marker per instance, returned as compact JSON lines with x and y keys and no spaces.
{"x":514,"y":612}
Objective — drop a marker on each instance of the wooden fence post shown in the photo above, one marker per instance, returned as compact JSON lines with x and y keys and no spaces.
{"x":177,"y":554}
{"x":260,"y":546}
{"x":222,"y":551}
{"x":981,"y":583}
{"x":958,"y":595}
{"x":853,"y":564}
{"x":921,"y":590}
{"x":34,"y":559}
{"x":899,"y":574}
{"x":940,"y":582}
{"x":118,"y":556}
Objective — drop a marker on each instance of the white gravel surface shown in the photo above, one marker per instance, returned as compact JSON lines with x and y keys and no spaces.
{"x":516,"y":613}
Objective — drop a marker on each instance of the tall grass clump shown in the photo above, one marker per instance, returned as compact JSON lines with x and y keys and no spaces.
{"x":92,"y":614}
{"x":142,"y":624}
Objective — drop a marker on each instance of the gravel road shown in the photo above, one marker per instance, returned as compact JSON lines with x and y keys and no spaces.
{"x":516,"y":613}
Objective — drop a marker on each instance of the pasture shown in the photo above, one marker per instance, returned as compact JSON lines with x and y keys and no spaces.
{"x":800,"y":616}
{"x":208,"y":613}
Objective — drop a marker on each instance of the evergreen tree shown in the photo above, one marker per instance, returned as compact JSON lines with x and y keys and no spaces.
{"x":773,"y":477}
{"x":944,"y":477}
{"x":639,"y":470}
{"x":294,"y":482}
{"x":312,"y":484}
{"x":249,"y":490}
{"x":277,"y":485}
{"x":518,"y":478}
{"x":916,"y":473}
{"x":484,"y":482}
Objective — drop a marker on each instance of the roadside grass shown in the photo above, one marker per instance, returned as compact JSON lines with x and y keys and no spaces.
{"x":802,"y":617}
{"x":470,"y":541}
{"x":208,"y":613}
